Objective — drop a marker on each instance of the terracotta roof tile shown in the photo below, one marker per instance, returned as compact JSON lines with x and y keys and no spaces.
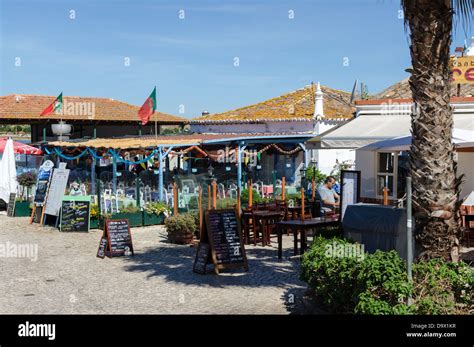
{"x":28,"y":107}
{"x":401,"y":90}
{"x":296,"y":105}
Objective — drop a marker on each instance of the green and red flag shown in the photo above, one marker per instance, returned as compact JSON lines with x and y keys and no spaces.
{"x":55,"y":107}
{"x":148,"y":108}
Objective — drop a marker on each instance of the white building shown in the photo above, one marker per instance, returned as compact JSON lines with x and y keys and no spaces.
{"x":307,"y":111}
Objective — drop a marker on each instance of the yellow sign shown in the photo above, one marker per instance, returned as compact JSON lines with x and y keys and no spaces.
{"x":463,"y":69}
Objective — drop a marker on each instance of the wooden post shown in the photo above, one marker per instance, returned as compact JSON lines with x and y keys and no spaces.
{"x":200,"y":212}
{"x":238,"y":202}
{"x":209,"y":197}
{"x":302,"y":204}
{"x":250,"y":188}
{"x":214,"y":195}
{"x":175,"y":199}
{"x":33,"y":211}
{"x":283,"y":190}
{"x":385,"y":196}
{"x":313,"y":190}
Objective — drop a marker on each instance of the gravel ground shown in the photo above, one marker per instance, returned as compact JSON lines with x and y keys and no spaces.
{"x":67,"y":277}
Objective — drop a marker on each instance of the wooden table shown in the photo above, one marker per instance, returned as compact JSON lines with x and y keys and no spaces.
{"x":302,"y":226}
{"x":264,"y":217}
{"x":296,"y":210}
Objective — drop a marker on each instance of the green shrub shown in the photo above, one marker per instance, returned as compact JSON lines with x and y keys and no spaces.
{"x":182,"y":223}
{"x":378,"y":284}
{"x":244,"y":196}
{"x":443,"y":288}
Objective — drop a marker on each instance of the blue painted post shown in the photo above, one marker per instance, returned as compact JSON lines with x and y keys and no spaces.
{"x":160,"y":174}
{"x":114,"y":172}
{"x":240,"y":149}
{"x":93,"y":176}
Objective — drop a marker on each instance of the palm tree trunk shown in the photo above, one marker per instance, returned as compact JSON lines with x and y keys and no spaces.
{"x":432,"y":161}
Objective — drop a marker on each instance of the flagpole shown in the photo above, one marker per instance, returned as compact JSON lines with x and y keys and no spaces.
{"x":156,"y":121}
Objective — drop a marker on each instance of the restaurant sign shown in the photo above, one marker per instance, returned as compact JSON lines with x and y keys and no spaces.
{"x":463,"y":69}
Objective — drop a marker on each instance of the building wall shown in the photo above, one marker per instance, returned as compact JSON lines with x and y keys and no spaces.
{"x":327,"y":158}
{"x":252,"y":128}
{"x":466,"y":167}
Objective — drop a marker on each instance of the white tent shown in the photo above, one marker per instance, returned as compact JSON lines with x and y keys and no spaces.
{"x":8,"y":183}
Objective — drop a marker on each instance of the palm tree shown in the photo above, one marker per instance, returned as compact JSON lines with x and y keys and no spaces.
{"x":432,"y":162}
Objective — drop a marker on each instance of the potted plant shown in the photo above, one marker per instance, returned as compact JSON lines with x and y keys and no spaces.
{"x":155,"y":213}
{"x":94,"y":220}
{"x":26,"y":180}
{"x":181,"y":228}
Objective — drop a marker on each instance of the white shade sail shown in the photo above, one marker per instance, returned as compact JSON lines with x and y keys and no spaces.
{"x":8,"y":183}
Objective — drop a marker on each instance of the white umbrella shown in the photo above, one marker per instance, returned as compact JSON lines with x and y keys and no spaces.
{"x":8,"y":183}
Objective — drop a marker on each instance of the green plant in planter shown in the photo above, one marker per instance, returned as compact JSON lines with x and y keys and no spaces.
{"x":130,"y":209}
{"x":27,"y":180}
{"x":94,"y":211}
{"x":244,"y":196}
{"x":181,"y":228}
{"x":157,"y":208}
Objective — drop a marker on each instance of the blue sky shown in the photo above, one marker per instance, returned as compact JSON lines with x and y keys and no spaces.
{"x":191,"y":60}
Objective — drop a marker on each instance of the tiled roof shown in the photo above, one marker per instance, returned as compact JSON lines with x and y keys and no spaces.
{"x":29,"y":107}
{"x":296,"y":106}
{"x":401,"y":90}
{"x":454,"y":100}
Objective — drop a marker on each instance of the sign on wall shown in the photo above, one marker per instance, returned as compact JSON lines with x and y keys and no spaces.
{"x":463,"y":69}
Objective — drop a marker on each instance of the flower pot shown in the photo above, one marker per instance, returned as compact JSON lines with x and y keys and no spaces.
{"x":181,"y":238}
{"x":22,"y":209}
{"x":153,"y":218}
{"x":134,"y":219}
{"x":94,"y":223}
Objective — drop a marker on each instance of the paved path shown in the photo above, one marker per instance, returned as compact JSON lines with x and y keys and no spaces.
{"x":67,"y":277}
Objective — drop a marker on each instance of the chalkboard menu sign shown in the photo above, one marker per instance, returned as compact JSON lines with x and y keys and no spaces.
{"x":222,"y":229}
{"x":119,"y":239}
{"x":11,"y":205}
{"x":75,"y":213}
{"x":202,"y":258}
{"x":102,"y":247}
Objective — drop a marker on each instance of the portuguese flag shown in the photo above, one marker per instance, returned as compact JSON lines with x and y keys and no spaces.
{"x":55,"y":107}
{"x":148,"y":108}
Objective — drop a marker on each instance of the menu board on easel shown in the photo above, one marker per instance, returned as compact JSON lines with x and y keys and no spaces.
{"x":118,"y":239}
{"x":11,"y":205}
{"x":57,"y":188}
{"x":75,"y":213}
{"x":223,"y":235}
{"x":350,"y":189}
{"x":42,"y":182}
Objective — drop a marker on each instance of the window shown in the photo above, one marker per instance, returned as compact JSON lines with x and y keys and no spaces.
{"x":386,"y":175}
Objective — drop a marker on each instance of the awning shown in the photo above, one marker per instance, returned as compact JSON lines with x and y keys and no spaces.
{"x":461,"y":138}
{"x":364,"y":130}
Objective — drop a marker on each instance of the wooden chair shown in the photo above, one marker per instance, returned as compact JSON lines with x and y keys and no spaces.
{"x":252,"y":228}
